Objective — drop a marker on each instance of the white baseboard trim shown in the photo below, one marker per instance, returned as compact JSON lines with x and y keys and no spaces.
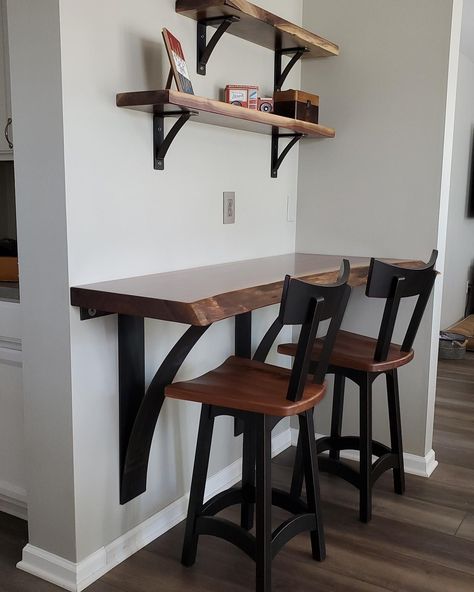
{"x":65,"y":574}
{"x":13,"y":500}
{"x":422,"y":466}
{"x":75,"y":577}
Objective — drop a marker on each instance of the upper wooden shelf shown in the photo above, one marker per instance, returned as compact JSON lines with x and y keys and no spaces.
{"x":259,"y":26}
{"x":218,"y":113}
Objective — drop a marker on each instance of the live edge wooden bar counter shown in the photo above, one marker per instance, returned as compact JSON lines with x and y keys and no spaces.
{"x":197,"y":297}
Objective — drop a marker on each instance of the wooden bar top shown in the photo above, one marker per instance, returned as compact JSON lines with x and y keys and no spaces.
{"x":204,"y":295}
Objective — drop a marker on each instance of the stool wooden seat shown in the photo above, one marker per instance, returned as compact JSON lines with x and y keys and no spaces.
{"x":259,"y":396}
{"x":356,"y":352}
{"x":362,"y":359}
{"x":249,"y":386}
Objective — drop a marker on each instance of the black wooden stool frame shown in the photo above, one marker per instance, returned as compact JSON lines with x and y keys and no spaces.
{"x":263,"y":547}
{"x":307,"y":305}
{"x":387,"y":457}
{"x":393,"y":284}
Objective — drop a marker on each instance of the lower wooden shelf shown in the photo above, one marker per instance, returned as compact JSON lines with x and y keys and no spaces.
{"x":183,"y":106}
{"x":218,"y":113}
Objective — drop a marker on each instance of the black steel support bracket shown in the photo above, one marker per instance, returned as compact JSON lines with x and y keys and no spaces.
{"x":205,"y":49}
{"x":282,"y":74}
{"x":91,"y":313}
{"x":162,"y":143}
{"x":278,"y":158}
{"x":140,"y":409}
{"x":243,"y":335}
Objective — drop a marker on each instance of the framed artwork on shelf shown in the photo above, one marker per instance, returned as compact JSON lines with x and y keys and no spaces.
{"x":178,"y":63}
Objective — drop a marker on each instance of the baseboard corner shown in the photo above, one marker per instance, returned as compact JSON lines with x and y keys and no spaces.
{"x":75,"y":577}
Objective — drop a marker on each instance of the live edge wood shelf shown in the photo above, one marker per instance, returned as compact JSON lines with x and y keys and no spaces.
{"x":257,"y":25}
{"x":252,"y":23}
{"x":183,"y":106}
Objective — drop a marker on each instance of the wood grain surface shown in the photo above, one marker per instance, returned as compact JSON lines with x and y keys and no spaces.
{"x":259,"y":26}
{"x":233,"y":385}
{"x":356,"y":352}
{"x":212,"y":112}
{"x":204,"y":295}
{"x":419,"y":542}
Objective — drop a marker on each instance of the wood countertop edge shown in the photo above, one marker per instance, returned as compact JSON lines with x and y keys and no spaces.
{"x":140,"y":306}
{"x":212,"y":309}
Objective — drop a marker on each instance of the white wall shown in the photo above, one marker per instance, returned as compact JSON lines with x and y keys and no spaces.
{"x":41,"y":217}
{"x":112,"y":216}
{"x":460,"y":239}
{"x":5,"y":105}
{"x":375,"y":190}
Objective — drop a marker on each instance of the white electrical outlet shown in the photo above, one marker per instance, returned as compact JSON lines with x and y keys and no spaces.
{"x":229,"y":207}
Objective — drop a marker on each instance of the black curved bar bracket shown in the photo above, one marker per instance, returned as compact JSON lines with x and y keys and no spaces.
{"x":282,"y":74}
{"x":278,"y":158}
{"x":205,"y":49}
{"x":162,"y":143}
{"x":139,"y":410}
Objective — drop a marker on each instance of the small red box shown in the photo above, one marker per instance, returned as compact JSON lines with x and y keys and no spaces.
{"x":242,"y":95}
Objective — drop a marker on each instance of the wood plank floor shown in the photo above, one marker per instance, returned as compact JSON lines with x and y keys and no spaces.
{"x":421,"y":542}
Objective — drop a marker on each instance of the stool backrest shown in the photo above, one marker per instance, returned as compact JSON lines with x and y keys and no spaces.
{"x":395,"y":283}
{"x":308,"y":305}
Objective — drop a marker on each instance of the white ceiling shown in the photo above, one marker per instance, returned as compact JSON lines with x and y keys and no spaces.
{"x":467,"y":39}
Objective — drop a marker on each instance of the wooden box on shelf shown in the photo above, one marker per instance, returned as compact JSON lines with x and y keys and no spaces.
{"x":297,"y":104}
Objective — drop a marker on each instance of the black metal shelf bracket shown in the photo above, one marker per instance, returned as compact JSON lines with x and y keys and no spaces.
{"x":91,"y":313}
{"x":162,"y":143}
{"x":278,"y":158}
{"x":205,"y":49}
{"x":282,"y":74}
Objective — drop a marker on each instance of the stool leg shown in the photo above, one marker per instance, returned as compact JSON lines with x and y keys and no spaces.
{"x":312,"y":482}
{"x":365,"y":410}
{"x":298,"y":471}
{"x":198,"y":484}
{"x":395,"y":430}
{"x":263,"y":504}
{"x":337,"y":411}
{"x":248,"y":478}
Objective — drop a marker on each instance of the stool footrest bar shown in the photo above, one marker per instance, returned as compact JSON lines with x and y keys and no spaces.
{"x":291,"y":528}
{"x":282,"y":499}
{"x":224,"y":529}
{"x":349,"y":443}
{"x":223,"y":500}
{"x":384,"y":463}
{"x":335,"y":467}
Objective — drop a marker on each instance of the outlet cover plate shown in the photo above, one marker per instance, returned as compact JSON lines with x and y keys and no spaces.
{"x":229,"y":207}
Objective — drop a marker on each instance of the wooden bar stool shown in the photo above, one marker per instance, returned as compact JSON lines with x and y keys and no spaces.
{"x":261,"y":395}
{"x":362,"y":359}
